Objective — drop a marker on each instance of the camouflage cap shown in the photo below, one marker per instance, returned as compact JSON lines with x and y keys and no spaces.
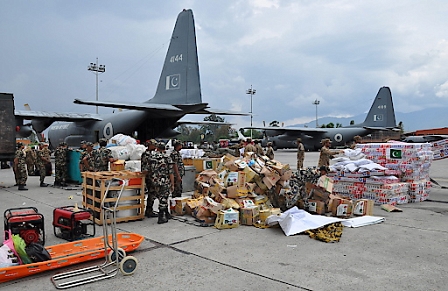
{"x":89,"y":144}
{"x":325,"y":140}
{"x":103,"y":140}
{"x":151,"y":142}
{"x":299,"y":139}
{"x":19,"y":144}
{"x":177,"y":142}
{"x":161,"y":145}
{"x":324,"y":168}
{"x":62,"y":143}
{"x":83,"y":142}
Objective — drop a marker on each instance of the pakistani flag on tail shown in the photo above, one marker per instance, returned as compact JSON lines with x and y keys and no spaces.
{"x":395,"y":154}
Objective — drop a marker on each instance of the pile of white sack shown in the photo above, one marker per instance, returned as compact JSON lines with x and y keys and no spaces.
{"x":124,"y":147}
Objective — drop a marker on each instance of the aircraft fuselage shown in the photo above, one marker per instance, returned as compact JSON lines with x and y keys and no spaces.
{"x":339,"y":136}
{"x":126,"y":122}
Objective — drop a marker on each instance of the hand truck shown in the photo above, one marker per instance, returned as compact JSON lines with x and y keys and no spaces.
{"x":115,"y":260}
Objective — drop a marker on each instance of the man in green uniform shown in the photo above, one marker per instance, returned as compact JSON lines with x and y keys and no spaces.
{"x":161,"y":167}
{"x":146,"y":169}
{"x":20,"y":166}
{"x":43,"y":158}
{"x":178,"y":167}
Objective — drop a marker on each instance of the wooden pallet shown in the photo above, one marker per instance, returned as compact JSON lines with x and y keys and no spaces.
{"x":94,"y":188}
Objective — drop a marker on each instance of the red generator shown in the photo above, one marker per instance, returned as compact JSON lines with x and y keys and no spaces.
{"x":73,"y":223}
{"x":26,"y":222}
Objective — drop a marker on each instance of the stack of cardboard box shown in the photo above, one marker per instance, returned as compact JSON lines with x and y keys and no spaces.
{"x":236,"y":192}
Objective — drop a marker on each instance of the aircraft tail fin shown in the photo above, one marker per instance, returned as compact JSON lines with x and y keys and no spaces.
{"x":179,"y":81}
{"x":382,"y":113}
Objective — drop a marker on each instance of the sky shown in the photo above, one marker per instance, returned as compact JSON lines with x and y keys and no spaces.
{"x":291,"y":52}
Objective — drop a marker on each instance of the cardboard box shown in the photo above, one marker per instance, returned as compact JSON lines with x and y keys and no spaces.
{"x":363,"y":207}
{"x":270,"y":177}
{"x":326,"y":183}
{"x":316,"y":206}
{"x":118,"y":165}
{"x":236,"y":192}
{"x":201,"y":211}
{"x":245,"y":202}
{"x":212,"y":205}
{"x":286,"y":175}
{"x":250,"y":174}
{"x":249,"y":215}
{"x":231,"y":179}
{"x":265,"y":213}
{"x":179,"y":205}
{"x":342,"y":207}
{"x":229,"y":203}
{"x":191,"y":204}
{"x":241,"y":182}
{"x":280,"y":168}
{"x":227,"y":219}
{"x":215,"y":190}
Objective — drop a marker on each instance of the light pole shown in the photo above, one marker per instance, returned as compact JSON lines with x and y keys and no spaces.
{"x":96,"y":69}
{"x":251,"y":92}
{"x":316,"y":102}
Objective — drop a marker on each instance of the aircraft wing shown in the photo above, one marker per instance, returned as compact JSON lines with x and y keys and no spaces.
{"x":129,"y":105}
{"x":202,"y":122}
{"x":381,"y":128}
{"x":289,"y":130}
{"x":219,"y":112}
{"x":55,"y":116}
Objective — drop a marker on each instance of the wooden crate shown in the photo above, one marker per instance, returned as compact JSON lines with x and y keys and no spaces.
{"x":94,"y":188}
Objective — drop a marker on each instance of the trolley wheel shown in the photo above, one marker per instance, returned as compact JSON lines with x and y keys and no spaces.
{"x":121,"y":254}
{"x":128,"y":265}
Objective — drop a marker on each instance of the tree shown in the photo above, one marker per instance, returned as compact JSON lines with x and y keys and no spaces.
{"x":352,"y":122}
{"x":210,"y":131}
{"x":338,"y":125}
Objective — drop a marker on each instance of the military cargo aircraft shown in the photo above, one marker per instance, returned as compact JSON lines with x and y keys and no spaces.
{"x":381,"y":116}
{"x":178,"y":94}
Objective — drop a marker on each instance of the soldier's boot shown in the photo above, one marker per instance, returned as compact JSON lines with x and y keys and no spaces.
{"x":22,"y":188}
{"x":162,"y":214}
{"x":42,"y":184}
{"x":168,"y":214}
{"x":149,"y":210}
{"x":57,"y":183}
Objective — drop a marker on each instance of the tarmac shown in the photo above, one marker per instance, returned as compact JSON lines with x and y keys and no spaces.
{"x":406,"y":252}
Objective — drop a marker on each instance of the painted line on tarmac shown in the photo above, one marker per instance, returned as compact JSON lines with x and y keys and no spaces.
{"x":158,"y":245}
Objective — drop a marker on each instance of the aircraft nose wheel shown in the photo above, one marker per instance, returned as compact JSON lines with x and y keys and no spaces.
{"x":128,"y":265}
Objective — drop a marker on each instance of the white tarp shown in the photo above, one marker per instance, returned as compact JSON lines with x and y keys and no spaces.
{"x":294,"y":221}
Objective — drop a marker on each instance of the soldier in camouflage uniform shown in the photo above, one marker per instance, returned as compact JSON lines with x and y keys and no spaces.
{"x":82,"y":151}
{"x":326,"y":154}
{"x":60,"y":164}
{"x":300,"y":154}
{"x":270,"y":151}
{"x":102,"y":157}
{"x":161,"y":167}
{"x":87,"y":162}
{"x":260,"y":151}
{"x":43,"y":158}
{"x":20,"y":166}
{"x":146,"y":169}
{"x":178,"y":168}
{"x":30,"y":160}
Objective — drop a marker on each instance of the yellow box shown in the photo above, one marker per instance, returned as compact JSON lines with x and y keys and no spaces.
{"x":117,"y":165}
{"x":250,"y":174}
{"x":249,"y":216}
{"x":268,"y":212}
{"x":227,"y":219}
